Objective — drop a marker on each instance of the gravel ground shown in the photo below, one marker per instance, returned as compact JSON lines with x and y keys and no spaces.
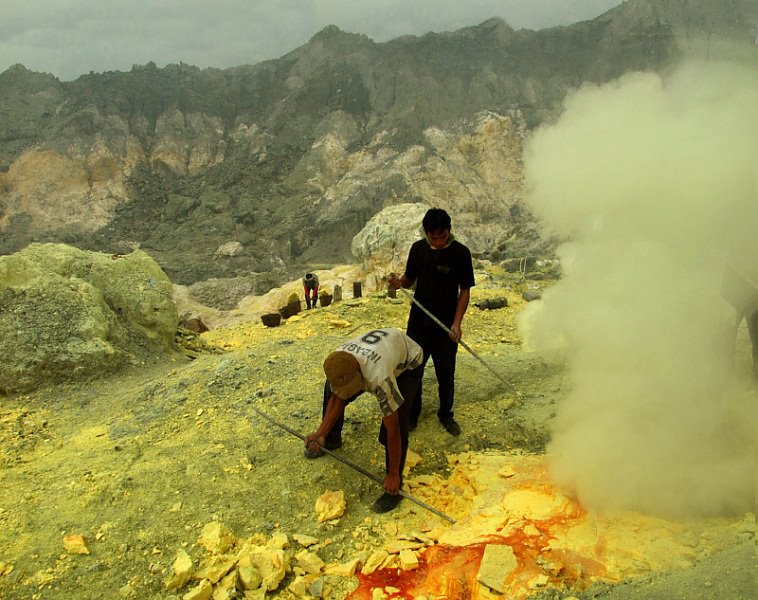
{"x":138,"y":463}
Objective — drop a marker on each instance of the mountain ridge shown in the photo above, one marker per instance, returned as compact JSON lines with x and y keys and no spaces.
{"x":292,"y":156}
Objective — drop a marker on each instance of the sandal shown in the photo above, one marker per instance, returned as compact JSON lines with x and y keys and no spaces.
{"x":386,"y":502}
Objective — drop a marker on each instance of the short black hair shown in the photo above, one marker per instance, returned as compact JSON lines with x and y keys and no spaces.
{"x":436,"y":218}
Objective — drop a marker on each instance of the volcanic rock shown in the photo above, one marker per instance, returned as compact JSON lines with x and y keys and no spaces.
{"x":330,"y":505}
{"x":308,"y":562}
{"x":497,"y":563}
{"x":215,"y":537}
{"x":202,"y":591}
{"x":68,"y":314}
{"x":75,"y":544}
{"x":181,"y":571}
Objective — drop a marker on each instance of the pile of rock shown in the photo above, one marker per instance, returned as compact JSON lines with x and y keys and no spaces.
{"x":256,"y":566}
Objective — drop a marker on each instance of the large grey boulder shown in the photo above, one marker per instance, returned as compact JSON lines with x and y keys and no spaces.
{"x":68,"y":314}
{"x":382,"y":245}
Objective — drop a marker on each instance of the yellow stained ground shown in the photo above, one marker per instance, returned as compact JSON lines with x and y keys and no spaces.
{"x":139,"y":463}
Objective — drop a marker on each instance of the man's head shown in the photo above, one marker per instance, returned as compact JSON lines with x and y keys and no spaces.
{"x":436,"y":224}
{"x":344,"y":374}
{"x":308,"y":276}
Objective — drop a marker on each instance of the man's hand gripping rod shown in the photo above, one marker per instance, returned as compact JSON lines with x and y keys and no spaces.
{"x":461,"y":342}
{"x":360,"y":469}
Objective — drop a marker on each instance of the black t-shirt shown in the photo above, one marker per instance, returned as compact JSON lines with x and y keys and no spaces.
{"x":440,"y":274}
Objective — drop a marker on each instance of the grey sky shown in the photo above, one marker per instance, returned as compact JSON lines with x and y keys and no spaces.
{"x":69,"y":38}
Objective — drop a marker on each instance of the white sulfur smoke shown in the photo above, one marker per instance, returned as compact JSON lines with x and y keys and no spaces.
{"x":654,"y":183}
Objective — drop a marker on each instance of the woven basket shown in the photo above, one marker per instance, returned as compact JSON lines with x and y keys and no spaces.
{"x":291,"y":309}
{"x":271,"y":319}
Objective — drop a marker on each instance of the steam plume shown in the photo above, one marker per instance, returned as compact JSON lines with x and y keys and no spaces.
{"x":654,"y":183}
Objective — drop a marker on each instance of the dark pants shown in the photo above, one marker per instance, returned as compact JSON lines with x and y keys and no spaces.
{"x":752,"y":327}
{"x":436,"y":343}
{"x":311,"y":295}
{"x":408,"y":382}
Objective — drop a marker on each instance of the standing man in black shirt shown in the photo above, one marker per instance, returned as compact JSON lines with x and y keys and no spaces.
{"x":443,"y":273}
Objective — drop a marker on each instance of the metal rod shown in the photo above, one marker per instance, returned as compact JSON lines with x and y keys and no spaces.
{"x":358,"y":468}
{"x":461,"y":342}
